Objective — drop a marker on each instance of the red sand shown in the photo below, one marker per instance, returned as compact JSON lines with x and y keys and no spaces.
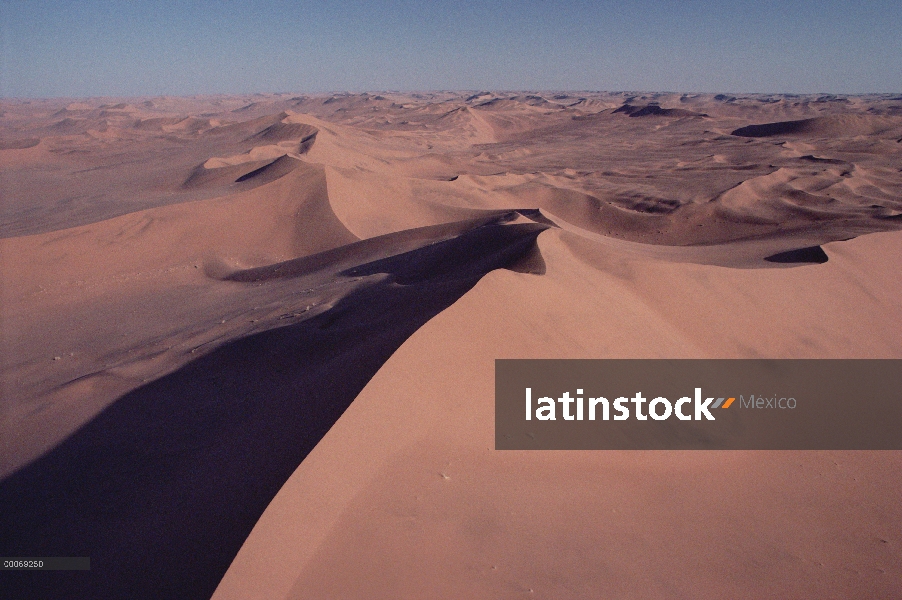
{"x":205,"y":284}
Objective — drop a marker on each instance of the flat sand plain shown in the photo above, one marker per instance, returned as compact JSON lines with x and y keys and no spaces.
{"x":247,"y":343}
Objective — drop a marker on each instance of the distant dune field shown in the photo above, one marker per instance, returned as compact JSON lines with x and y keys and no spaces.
{"x":247,"y":343}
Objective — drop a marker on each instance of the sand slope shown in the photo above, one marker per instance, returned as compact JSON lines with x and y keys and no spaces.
{"x":422,"y":505}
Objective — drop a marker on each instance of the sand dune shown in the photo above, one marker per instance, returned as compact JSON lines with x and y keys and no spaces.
{"x":162,"y":438}
{"x":225,"y":172}
{"x":832,"y":126}
{"x":20,"y":144}
{"x":249,"y":340}
{"x":427,"y":493}
{"x":281,"y":132}
{"x":655,"y":110}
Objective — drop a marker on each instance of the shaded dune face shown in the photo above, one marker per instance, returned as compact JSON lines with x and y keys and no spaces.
{"x":812,"y":254}
{"x":162,"y":487}
{"x":202,"y":287}
{"x":834,"y":126}
{"x":771,"y":129}
{"x":655,"y":110}
{"x":254,"y":172}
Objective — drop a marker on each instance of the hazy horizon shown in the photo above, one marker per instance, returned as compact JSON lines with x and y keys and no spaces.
{"x":102,"y":49}
{"x":327,"y":93}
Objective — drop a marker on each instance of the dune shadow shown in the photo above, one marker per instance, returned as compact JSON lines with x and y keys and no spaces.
{"x":161,"y":489}
{"x":810,"y":255}
{"x":655,"y":110}
{"x":772,"y":129}
{"x":271,"y":171}
{"x":19,"y":144}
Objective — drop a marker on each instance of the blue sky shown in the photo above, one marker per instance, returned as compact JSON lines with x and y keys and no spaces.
{"x":84,"y":48}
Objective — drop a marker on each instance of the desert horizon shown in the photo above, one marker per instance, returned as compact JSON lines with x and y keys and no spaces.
{"x":248,"y":340}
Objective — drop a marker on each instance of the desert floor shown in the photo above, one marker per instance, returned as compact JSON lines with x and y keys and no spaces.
{"x":247,"y":343}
